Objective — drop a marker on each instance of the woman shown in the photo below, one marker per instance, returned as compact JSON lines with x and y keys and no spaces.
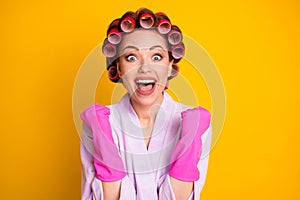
{"x":147,"y":146}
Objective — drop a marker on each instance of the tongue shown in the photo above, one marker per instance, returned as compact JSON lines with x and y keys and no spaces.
{"x":145,"y":88}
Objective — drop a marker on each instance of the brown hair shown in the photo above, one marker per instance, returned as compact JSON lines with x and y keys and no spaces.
{"x":143,"y":18}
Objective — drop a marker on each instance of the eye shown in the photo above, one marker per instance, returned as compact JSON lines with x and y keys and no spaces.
{"x":157,"y":57}
{"x":131,"y":58}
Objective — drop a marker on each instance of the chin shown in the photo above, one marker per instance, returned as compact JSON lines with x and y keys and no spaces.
{"x":149,"y":99}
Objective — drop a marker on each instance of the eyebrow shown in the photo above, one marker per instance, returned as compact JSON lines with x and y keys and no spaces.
{"x":136,"y":48}
{"x":156,"y":46}
{"x":131,"y":47}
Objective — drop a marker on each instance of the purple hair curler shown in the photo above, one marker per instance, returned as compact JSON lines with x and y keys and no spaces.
{"x":175,"y":36}
{"x":178,"y":51}
{"x":128,"y":22}
{"x":163,"y":23}
{"x":108,"y":49}
{"x":146,"y":18}
{"x":113,"y":73}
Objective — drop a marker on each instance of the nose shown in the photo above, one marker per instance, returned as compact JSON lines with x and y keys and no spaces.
{"x":144,"y":69}
{"x":145,"y":64}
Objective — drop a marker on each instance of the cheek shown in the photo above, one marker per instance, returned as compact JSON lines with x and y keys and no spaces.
{"x":126,"y":67}
{"x":127,"y":70}
{"x":163,"y":72}
{"x":128,"y":74}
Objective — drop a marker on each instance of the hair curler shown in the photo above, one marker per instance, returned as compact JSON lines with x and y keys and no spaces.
{"x":163,"y":23}
{"x":178,"y":51}
{"x":175,"y":35}
{"x":128,"y":22}
{"x":113,"y":33}
{"x":113,"y":73}
{"x":175,"y":70}
{"x":108,"y":49}
{"x":114,"y":22}
{"x":114,"y":36}
{"x":146,"y":18}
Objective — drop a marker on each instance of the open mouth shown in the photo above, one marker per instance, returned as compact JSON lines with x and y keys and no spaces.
{"x":145,"y":86}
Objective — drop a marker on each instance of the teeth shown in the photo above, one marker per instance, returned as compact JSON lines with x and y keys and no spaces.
{"x":145,"y":81}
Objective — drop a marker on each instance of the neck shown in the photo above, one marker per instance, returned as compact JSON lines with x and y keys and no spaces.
{"x":146,"y":113}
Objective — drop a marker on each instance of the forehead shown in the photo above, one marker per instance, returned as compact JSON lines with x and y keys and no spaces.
{"x":143,"y":39}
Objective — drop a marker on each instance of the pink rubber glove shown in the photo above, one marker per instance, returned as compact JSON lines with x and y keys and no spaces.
{"x":107,"y":161}
{"x":188,"y":150}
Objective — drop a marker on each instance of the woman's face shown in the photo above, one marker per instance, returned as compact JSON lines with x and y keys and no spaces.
{"x":144,"y":66}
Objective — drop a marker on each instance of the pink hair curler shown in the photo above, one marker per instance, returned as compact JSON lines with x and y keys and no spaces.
{"x":113,"y":33}
{"x":175,"y":35}
{"x":113,"y":73}
{"x":175,"y":70}
{"x":163,"y":23}
{"x":128,"y":22}
{"x":146,"y":18}
{"x":178,"y":51}
{"x":114,"y":36}
{"x":108,"y":49}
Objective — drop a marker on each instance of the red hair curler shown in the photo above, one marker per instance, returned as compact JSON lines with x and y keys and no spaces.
{"x":114,"y":36}
{"x":163,"y":23}
{"x":115,"y":22}
{"x":178,"y":51}
{"x":108,"y":49}
{"x":113,"y":73}
{"x":128,"y":22}
{"x":113,"y":33}
{"x":175,"y":36}
{"x":146,"y":18}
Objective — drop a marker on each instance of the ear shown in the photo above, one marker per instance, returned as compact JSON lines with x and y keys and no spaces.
{"x":118,"y":68}
{"x":170,"y":68}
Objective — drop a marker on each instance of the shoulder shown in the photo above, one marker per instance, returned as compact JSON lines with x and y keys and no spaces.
{"x":180,"y":107}
{"x":89,"y":111}
{"x":171,"y":105}
{"x":94,"y":109}
{"x":198,"y":113}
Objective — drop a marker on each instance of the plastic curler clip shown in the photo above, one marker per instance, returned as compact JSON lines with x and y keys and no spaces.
{"x":128,"y":22}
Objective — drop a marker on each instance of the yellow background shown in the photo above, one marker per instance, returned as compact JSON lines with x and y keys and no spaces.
{"x":255,"y":45}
